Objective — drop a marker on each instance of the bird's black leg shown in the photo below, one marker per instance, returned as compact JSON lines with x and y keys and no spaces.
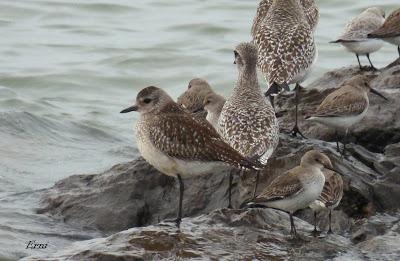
{"x":330,"y":222}
{"x":315,"y":233}
{"x":344,"y":143}
{"x":295,"y":129}
{"x":181,"y":189}
{"x":255,"y":187}
{"x":359,"y":63}
{"x":230,"y":190}
{"x":398,"y":50}
{"x":372,"y":66}
{"x":293,"y":231}
{"x":337,"y":141}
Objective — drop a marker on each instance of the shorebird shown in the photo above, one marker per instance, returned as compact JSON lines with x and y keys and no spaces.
{"x":176,"y":144}
{"x":192,"y":99}
{"x":213,"y":104}
{"x":390,"y":30}
{"x":355,"y":36}
{"x":286,"y":48}
{"x":330,"y":198}
{"x":247,"y":121}
{"x":345,"y":106}
{"x":297,"y":188}
{"x":309,"y":6}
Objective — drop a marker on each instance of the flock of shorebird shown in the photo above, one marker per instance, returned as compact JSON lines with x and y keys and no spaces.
{"x":203,"y":132}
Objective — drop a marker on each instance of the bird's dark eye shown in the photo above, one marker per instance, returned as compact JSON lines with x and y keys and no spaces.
{"x":189,"y":86}
{"x":147,"y":100}
{"x":236,"y":53}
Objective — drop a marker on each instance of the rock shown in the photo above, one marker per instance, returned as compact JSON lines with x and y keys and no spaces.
{"x":261,"y":234}
{"x":379,"y":128}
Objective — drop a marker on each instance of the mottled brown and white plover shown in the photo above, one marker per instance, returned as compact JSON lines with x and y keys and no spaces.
{"x":355,"y":36}
{"x":390,"y":30}
{"x":192,"y":99}
{"x":345,"y":106}
{"x":175,"y":143}
{"x":247,"y":121}
{"x":297,"y":188}
{"x":310,"y":9}
{"x":213,"y":104}
{"x":286,"y":48}
{"x":330,"y":198}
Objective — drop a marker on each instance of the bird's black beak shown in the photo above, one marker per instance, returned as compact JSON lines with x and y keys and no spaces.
{"x":234,"y":62}
{"x":132,"y":108}
{"x":379,"y":94}
{"x":334,"y":170}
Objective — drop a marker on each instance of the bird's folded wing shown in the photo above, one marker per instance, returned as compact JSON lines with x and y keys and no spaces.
{"x":182,"y":137}
{"x":391,"y":28}
{"x":333,"y":190}
{"x":284,"y":186}
{"x":344,"y":103}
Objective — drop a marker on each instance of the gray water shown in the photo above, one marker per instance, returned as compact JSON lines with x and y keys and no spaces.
{"x":69,"y":66}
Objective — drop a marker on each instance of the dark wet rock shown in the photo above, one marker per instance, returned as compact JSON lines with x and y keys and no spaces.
{"x":222,"y":234}
{"x":379,"y":128}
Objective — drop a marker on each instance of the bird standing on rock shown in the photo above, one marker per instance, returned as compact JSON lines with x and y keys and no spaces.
{"x":286,"y":47}
{"x":345,"y":106}
{"x":390,"y":30}
{"x":355,"y":36}
{"x":247,"y":121}
{"x":297,"y":188}
{"x":330,"y":198}
{"x":176,"y":144}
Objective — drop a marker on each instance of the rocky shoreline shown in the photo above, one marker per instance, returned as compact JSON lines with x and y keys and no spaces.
{"x":135,"y":195}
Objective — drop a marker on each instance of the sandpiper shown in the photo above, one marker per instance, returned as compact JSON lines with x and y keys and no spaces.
{"x":355,"y":36}
{"x":330,"y":198}
{"x":192,"y":99}
{"x":175,"y":143}
{"x":345,"y":106}
{"x":213,"y":104}
{"x":309,"y":6}
{"x":286,"y":48}
{"x":297,"y":188}
{"x":390,"y":30}
{"x":247,"y":121}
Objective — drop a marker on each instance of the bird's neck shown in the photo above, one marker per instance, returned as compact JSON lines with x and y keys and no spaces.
{"x":247,"y":82}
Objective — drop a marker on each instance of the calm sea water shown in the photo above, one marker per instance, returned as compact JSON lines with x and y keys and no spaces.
{"x":69,"y":67}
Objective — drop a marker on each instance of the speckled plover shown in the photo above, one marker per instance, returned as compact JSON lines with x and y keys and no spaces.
{"x":390,"y":30}
{"x":247,"y":120}
{"x":330,"y":198}
{"x":355,"y":36}
{"x":345,"y":106}
{"x":286,"y":48}
{"x":310,"y":9}
{"x":192,"y":99}
{"x":297,"y":188}
{"x":175,"y":143}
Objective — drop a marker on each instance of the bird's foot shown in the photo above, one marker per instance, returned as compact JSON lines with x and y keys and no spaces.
{"x":330,"y":232}
{"x":315,"y":233}
{"x":296,"y":131}
{"x":176,"y":221}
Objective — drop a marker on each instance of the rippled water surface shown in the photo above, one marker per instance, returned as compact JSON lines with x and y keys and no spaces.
{"x":69,"y":67}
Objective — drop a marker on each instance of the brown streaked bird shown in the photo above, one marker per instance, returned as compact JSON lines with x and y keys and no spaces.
{"x":192,"y":99}
{"x":286,"y":48}
{"x":309,"y":6}
{"x":345,"y":106}
{"x":330,"y":198}
{"x":355,"y":36}
{"x":247,"y":120}
{"x":297,"y":188}
{"x":176,"y":144}
{"x":213,"y":104}
{"x":390,"y":30}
